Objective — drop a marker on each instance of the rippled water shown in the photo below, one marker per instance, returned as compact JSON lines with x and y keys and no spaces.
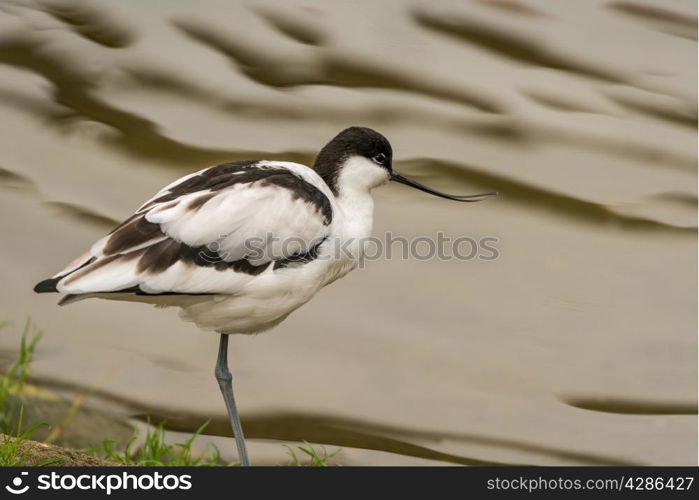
{"x":577,"y":346}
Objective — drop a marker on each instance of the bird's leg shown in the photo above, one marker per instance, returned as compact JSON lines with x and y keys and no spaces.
{"x":225,"y":383}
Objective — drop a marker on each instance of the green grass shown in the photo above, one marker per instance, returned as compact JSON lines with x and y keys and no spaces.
{"x":12,"y":447}
{"x":155,"y":451}
{"x":312,"y":456}
{"x":14,"y":380}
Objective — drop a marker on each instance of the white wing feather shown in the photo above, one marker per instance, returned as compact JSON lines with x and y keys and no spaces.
{"x":253,"y":220}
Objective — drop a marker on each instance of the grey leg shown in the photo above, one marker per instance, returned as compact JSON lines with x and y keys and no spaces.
{"x":225,"y":382}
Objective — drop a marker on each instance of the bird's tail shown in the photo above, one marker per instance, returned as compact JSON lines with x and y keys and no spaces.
{"x":47,"y":286}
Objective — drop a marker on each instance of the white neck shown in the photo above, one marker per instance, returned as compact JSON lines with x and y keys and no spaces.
{"x":358,"y":213}
{"x":358,"y":176}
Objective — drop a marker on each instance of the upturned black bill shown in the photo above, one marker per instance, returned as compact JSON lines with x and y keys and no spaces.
{"x":473,"y":197}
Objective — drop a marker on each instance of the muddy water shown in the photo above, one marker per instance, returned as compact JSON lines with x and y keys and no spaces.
{"x":576,"y":346}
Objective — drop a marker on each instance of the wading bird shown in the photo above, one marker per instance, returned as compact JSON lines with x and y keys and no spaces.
{"x":241,"y":245}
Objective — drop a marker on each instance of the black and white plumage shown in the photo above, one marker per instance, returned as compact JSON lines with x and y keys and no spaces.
{"x":189,"y":246}
{"x":241,"y":245}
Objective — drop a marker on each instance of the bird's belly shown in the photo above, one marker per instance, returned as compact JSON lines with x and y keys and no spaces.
{"x":240,"y":314}
{"x":267,"y":300}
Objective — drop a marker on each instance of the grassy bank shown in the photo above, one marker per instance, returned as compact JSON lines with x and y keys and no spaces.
{"x":20,"y":440}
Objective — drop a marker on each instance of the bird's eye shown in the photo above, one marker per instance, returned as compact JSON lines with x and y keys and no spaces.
{"x":380,"y":158}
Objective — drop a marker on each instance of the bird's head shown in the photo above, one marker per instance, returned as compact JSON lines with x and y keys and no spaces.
{"x":360,"y":159}
{"x":357,"y":158}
